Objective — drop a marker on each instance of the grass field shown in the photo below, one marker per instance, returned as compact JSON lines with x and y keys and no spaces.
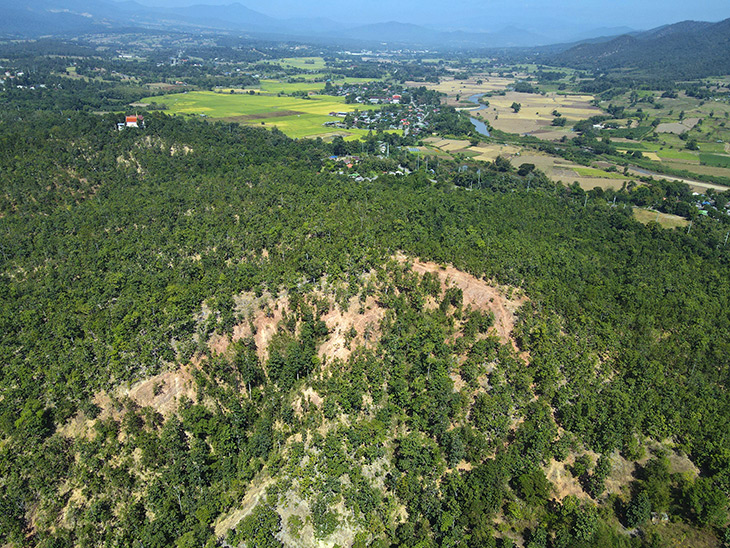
{"x":305,"y":63}
{"x":677,"y":155}
{"x":653,"y":156}
{"x":715,"y":160}
{"x":536,"y":110}
{"x":314,"y":83}
{"x":274,"y":87}
{"x":225,"y":105}
{"x":622,"y":144}
{"x":448,"y":145}
{"x":704,"y":121}
{"x":466,"y":88}
{"x":664,"y":219}
{"x":600,"y":174}
{"x":297,"y":117}
{"x":567,"y":172}
{"x":711,"y":159}
{"x":535,"y":116}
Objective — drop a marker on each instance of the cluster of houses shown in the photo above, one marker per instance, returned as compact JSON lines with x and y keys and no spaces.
{"x":705,"y":203}
{"x":350,"y":161}
{"x":373,"y":93}
{"x":412,"y":119}
{"x":9,"y":78}
{"x":399,"y":109}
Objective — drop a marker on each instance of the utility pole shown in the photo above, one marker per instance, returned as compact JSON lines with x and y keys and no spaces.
{"x":689,"y":227}
{"x":585,"y":202}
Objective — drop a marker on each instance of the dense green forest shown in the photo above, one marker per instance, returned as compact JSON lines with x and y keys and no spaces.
{"x":682,"y":51}
{"x":123,"y":254}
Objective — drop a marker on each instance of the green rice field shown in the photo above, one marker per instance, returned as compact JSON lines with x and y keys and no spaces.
{"x":630,"y":146}
{"x":295,"y":116}
{"x":715,"y":160}
{"x":593,"y":172}
{"x":677,"y":155}
{"x":314,"y":83}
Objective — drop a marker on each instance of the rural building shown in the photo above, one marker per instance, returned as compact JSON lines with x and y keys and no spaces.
{"x":134,"y":121}
{"x":131,"y":121}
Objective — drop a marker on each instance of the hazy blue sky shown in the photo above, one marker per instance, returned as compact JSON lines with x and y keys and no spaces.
{"x":490,"y":14}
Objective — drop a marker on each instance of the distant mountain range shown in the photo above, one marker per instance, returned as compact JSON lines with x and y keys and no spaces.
{"x":33,"y":18}
{"x":690,"y":49}
{"x":406,"y":34}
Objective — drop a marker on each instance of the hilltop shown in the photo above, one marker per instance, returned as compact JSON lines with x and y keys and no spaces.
{"x":685,"y":50}
{"x":210,"y":337}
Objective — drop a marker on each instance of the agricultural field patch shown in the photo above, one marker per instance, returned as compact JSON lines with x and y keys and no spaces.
{"x":567,"y":173}
{"x":536,"y":111}
{"x":542,"y":162}
{"x":552,"y":134}
{"x":436,"y":152}
{"x":313,"y":83}
{"x":262,"y":116}
{"x":218,"y":105}
{"x":715,"y":147}
{"x":589,"y":183}
{"x":307,"y":125}
{"x":305,"y":63}
{"x":163,"y":86}
{"x":275,"y":86}
{"x":297,"y":117}
{"x":597,"y":173}
{"x":653,"y":156}
{"x":487,"y":153}
{"x":677,"y":155}
{"x":448,"y":145}
{"x":466,"y":88}
{"x":664,"y":219}
{"x":625,"y":144}
{"x":715,"y":160}
{"x":677,"y":127}
{"x":696,"y":167}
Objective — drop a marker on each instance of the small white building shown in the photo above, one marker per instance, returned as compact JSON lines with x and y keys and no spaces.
{"x":131,"y":121}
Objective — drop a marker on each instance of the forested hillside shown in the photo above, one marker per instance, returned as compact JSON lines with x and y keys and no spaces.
{"x":210,"y":336}
{"x":681,"y":51}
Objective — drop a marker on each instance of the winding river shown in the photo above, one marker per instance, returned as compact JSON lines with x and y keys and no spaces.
{"x":480,"y":126}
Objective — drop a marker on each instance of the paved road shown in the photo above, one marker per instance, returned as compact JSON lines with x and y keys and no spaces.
{"x":696,"y":185}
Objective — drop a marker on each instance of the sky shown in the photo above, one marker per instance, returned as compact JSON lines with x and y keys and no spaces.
{"x":489,"y":14}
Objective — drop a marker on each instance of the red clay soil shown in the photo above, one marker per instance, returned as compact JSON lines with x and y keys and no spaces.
{"x":265,"y":322}
{"x":365,"y":317}
{"x":479,"y":294}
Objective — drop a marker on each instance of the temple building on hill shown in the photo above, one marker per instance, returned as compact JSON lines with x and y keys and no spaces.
{"x":131,"y":121}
